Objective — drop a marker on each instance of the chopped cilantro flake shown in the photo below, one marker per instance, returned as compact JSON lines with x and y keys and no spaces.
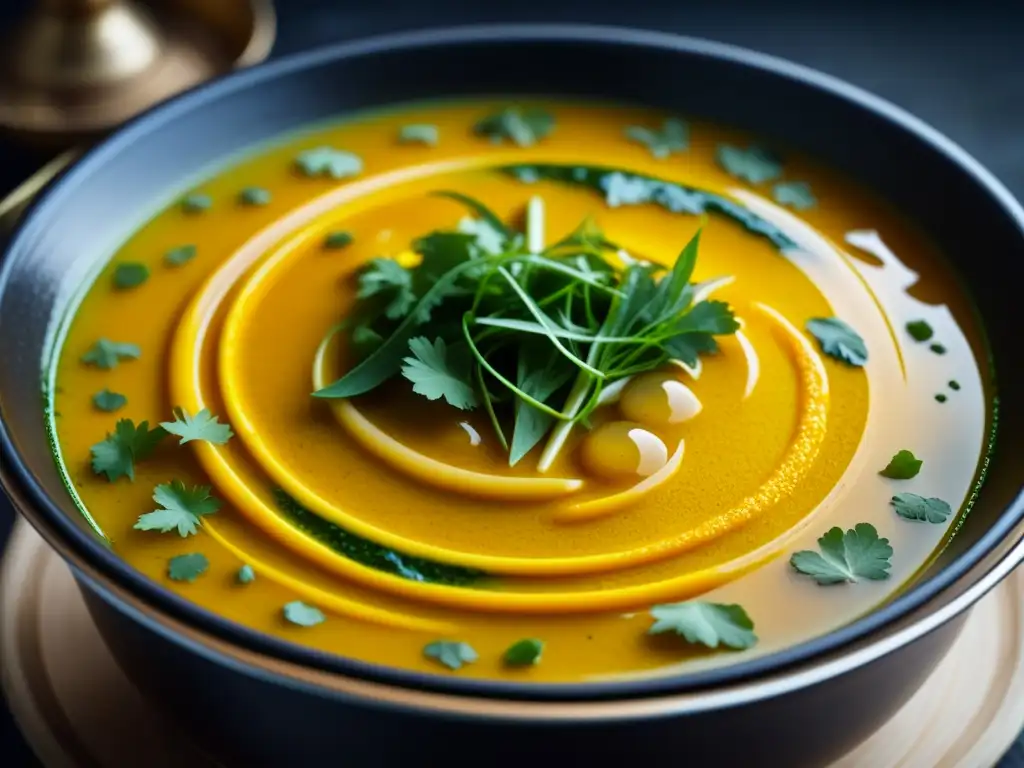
{"x":753,"y":164}
{"x":522,"y":128}
{"x":919,"y":330}
{"x":846,"y":557}
{"x":256,"y":196}
{"x":202,"y":426}
{"x":182,"y":509}
{"x":246,"y":574}
{"x":938,"y":349}
{"x":910,"y":506}
{"x":196,"y":202}
{"x":115,"y":456}
{"x":107,"y":354}
{"x":672,"y":137}
{"x":839,"y":340}
{"x":795,"y":194}
{"x":108,"y":401}
{"x":450,"y":653}
{"x":903,"y":466}
{"x":330,"y":162}
{"x":179,"y":255}
{"x":524,"y":653}
{"x":338,"y":240}
{"x":709,"y":624}
{"x":419,"y":133}
{"x":187,"y":567}
{"x":302,"y":615}
{"x":130,"y":274}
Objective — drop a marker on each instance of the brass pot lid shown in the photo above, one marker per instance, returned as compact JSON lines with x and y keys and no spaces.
{"x":74,"y":69}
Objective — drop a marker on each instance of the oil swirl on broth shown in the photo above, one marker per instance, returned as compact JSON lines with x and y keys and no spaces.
{"x":399,"y":518}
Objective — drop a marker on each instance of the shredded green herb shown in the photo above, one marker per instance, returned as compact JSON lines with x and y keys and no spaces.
{"x":130,"y":274}
{"x":338,"y":240}
{"x":255,"y":196}
{"x":919,"y":330}
{"x":196,"y":202}
{"x":487,"y":319}
{"x":626,"y":188}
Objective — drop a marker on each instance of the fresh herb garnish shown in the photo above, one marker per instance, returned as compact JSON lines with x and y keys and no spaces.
{"x":673,"y":137}
{"x":108,"y":401}
{"x":115,"y":456}
{"x":450,"y":653}
{"x":338,"y":240}
{"x":246,"y":574}
{"x":795,"y":194}
{"x":187,"y":567}
{"x":182,"y":509}
{"x":254,"y":196}
{"x":130,"y":274}
{"x":910,"y":506}
{"x":903,"y":466}
{"x":846,"y":557}
{"x":940,"y":397}
{"x":508,"y":329}
{"x":434,"y":374}
{"x":202,"y":426}
{"x":620,"y":188}
{"x":938,"y":349}
{"x":524,"y":653}
{"x":179,"y":255}
{"x":753,"y":164}
{"x":709,"y":624}
{"x":196,"y":202}
{"x":919,"y":330}
{"x":107,"y":354}
{"x":523,"y":128}
{"x":328,"y":161}
{"x":300,"y":614}
{"x":838,"y":340}
{"x":370,"y":553}
{"x":954,"y":385}
{"x":418,"y":133}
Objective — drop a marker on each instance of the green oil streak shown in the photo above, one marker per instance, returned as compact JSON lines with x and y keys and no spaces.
{"x":369,"y":553}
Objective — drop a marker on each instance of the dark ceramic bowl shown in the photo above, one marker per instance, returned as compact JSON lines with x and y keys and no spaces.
{"x":255,"y":700}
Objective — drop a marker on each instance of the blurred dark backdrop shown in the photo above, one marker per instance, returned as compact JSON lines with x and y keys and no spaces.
{"x":958,"y":64}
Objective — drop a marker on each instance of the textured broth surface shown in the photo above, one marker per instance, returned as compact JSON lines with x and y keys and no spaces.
{"x":788,"y":443}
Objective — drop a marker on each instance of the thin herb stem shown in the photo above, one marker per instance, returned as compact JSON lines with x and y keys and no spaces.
{"x":489,"y":407}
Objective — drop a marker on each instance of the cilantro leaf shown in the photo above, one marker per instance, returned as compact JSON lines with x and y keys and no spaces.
{"x":910,"y":506}
{"x":328,"y":161}
{"x":709,"y":624}
{"x":107,"y":354}
{"x":421,"y":133}
{"x":115,"y":456}
{"x":196,"y":202}
{"x":105,"y":400}
{"x":187,"y":567}
{"x":795,"y":194}
{"x":246,"y":574}
{"x":524,"y":653}
{"x":338,"y":240}
{"x":839,"y":340}
{"x":753,"y":164}
{"x":202,"y":426}
{"x":903,"y":466}
{"x":302,"y":615}
{"x":523,"y":128}
{"x":435,"y":373}
{"x":488,"y":239}
{"x":919,"y":330}
{"x":182,"y":509}
{"x":179,"y":255}
{"x":673,"y":137}
{"x":130,"y":274}
{"x":846,"y":557}
{"x":450,"y":653}
{"x":389,"y":279}
{"x":256,"y":196}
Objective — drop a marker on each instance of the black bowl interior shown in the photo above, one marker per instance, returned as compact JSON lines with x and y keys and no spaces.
{"x":95,"y":206}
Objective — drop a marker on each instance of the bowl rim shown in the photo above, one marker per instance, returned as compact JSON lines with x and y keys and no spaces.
{"x":157,"y":597}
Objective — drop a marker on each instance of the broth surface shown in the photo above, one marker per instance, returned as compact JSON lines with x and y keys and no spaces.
{"x":363,"y":509}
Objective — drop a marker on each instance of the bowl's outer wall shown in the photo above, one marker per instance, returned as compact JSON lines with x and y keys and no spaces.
{"x":94,"y":208}
{"x":241,"y":719}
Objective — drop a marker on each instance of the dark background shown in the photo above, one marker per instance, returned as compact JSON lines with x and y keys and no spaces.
{"x":958,"y":65}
